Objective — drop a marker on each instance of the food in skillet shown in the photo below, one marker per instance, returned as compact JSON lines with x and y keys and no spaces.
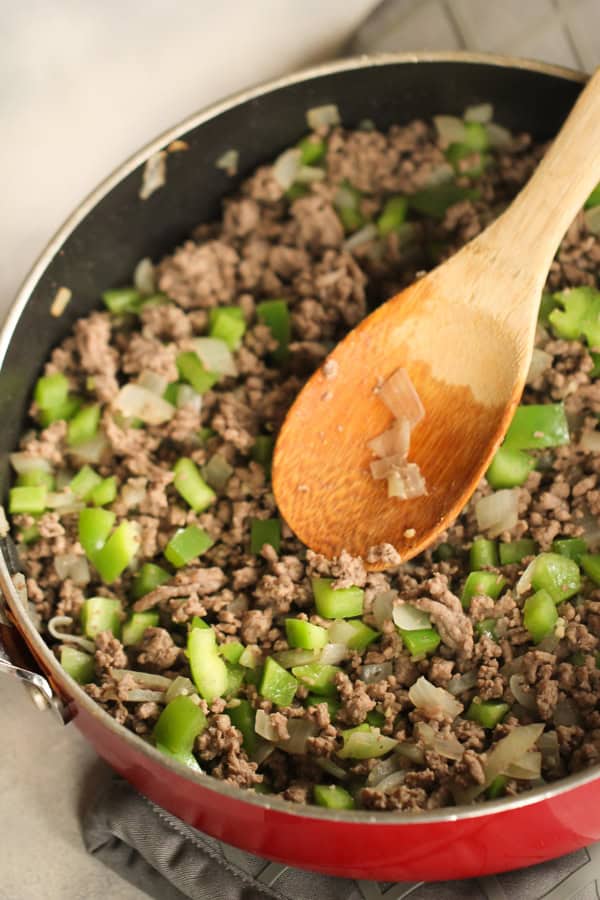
{"x":156,"y":561}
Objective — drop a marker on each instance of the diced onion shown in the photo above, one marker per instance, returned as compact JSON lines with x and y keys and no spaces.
{"x":180,"y":686}
{"x":340,"y":632}
{"x":566,"y":713}
{"x":332,"y":654}
{"x":540,"y":362}
{"x":187,"y":396}
{"x":153,"y":382}
{"x":381,"y":468}
{"x":549,"y":747}
{"x":229,"y":162}
{"x":498,"y":512}
{"x":146,"y":679}
{"x":362,"y":236}
{"x":215,"y":355}
{"x":394,"y":442}
{"x":286,"y":168}
{"x":135,"y":401}
{"x":440,"y":175}
{"x":70,"y":565}
{"x":409,"y":618}
{"x":461,"y":683}
{"x":524,"y":582}
{"x":432,"y":699}
{"x":382,"y":607}
{"x":381,"y":770}
{"x":447,"y":746}
{"x":391,"y":782}
{"x":591,"y":217}
{"x":141,"y":695}
{"x":64,"y":501}
{"x":300,"y":730}
{"x":91,"y":451}
{"x":4,"y":524}
{"x":590,"y":441}
{"x":263,"y":751}
{"x":297,"y":657}
{"x":450,"y":129}
{"x":409,"y":750}
{"x":264,"y":727}
{"x":498,"y":136}
{"x":374,"y":672}
{"x":133,"y":495}
{"x":482,"y":113}
{"x":524,"y":697}
{"x":406,"y":483}
{"x":143,"y":277}
{"x":55,"y":626}
{"x":308,"y":174}
{"x":400,"y":396}
{"x":323,"y":116}
{"x":154,"y":174}
{"x":251,"y":658}
{"x":330,"y":767}
{"x":528,"y":767}
{"x":510,"y":749}
{"x":217,"y":472}
{"x":23,"y":463}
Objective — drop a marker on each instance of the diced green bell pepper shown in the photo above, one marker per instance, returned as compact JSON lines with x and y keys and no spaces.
{"x":84,"y":425}
{"x":482,"y":584}
{"x":118,"y":552}
{"x":434,"y":201}
{"x":190,"y":485}
{"x":496,"y":788}
{"x":262,"y":451}
{"x":51,"y":391}
{"x":209,"y":671}
{"x":188,"y":759}
{"x":556,"y":574}
{"x":265,"y":531}
{"x":101,"y":614}
{"x":577,"y":659}
{"x":186,"y":544}
{"x":590,"y":563}
{"x":305,"y":635}
{"x":363,"y":635}
{"x":31,"y":500}
{"x":79,"y":665}
{"x":343,"y":603}
{"x":235,"y":678}
{"x":227,"y":323}
{"x":420,"y":641}
{"x":134,"y":628}
{"x":332,"y":796}
{"x":122,"y":300}
{"x":276,"y":315}
{"x":319,"y":677}
{"x":443,"y":552}
{"x":375,"y":718}
{"x":29,"y":535}
{"x":487,"y":628}
{"x":535,"y":427}
{"x":539,"y":615}
{"x":487,"y":713}
{"x":393,"y":215}
{"x":179,"y":724}
{"x":514,"y":551}
{"x":65,"y":410}
{"x":105,"y":492}
{"x":94,"y":527}
{"x":149,"y":577}
{"x":36,"y":478}
{"x":84,"y":482}
{"x":242,"y":716}
{"x":547,"y":304}
{"x":483,"y":553}
{"x":365,"y":742}
{"x":458,"y":151}
{"x":333,"y":705}
{"x":509,"y":468}
{"x":296,"y":190}
{"x":276,"y":684}
{"x":312,"y":150}
{"x":593,"y":199}
{"x":199,"y":622}
{"x":580,"y":315}
{"x":231,"y":651}
{"x":574,"y":548}
{"x":191,"y":369}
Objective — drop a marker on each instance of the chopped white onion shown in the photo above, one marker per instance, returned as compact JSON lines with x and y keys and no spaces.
{"x":381,"y":468}
{"x":344,"y":198}
{"x":64,"y":501}
{"x":136,"y":401}
{"x":447,"y":746}
{"x":63,"y":479}
{"x":481,"y":113}
{"x":55,"y":626}
{"x":263,"y":751}
{"x":393,"y":442}
{"x":187,"y":396}
{"x":308,"y":174}
{"x":374,"y":672}
{"x":523,"y":696}
{"x":323,"y":116}
{"x":498,"y":512}
{"x":300,"y":730}
{"x":61,"y":300}
{"x":264,"y":727}
{"x":362,"y":236}
{"x":23,"y":463}
{"x":524,"y":582}
{"x":154,"y":174}
{"x":133,"y":495}
{"x":440,"y":175}
{"x":401,"y":398}
{"x":409,"y":750}
{"x":180,"y":686}
{"x":381,"y":770}
{"x":251,"y":658}
{"x":286,"y":168}
{"x":432,"y":699}
{"x":461,"y":683}
{"x":229,"y":162}
{"x":382,"y":607}
{"x":591,"y":217}
{"x":406,"y":483}
{"x":332,"y":654}
{"x":498,"y":136}
{"x":4,"y":524}
{"x":528,"y":767}
{"x":566,"y":713}
{"x":296,"y":657}
{"x":507,"y":751}
{"x":450,"y":129}
{"x":391,"y":782}
{"x":409,"y":618}
{"x":217,"y":472}
{"x":153,"y":382}
{"x":70,"y":565}
{"x":550,"y":750}
{"x":540,"y":363}
{"x":330,"y":767}
{"x":340,"y":632}
{"x":215,"y":355}
{"x":143,"y":277}
{"x":91,"y":451}
{"x":146,"y":679}
{"x":590,"y":441}
{"x":142,"y":695}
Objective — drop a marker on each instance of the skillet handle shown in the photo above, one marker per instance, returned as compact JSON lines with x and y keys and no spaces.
{"x":16,"y":660}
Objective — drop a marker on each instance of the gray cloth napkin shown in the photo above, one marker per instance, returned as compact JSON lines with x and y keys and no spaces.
{"x":168,"y":860}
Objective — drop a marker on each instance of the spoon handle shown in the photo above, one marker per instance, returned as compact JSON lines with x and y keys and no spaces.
{"x":534,"y":225}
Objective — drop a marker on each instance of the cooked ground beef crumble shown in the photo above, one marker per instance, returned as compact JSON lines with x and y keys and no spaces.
{"x":273,"y":245}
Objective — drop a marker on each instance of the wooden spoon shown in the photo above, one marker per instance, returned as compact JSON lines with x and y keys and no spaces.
{"x":465,"y":334}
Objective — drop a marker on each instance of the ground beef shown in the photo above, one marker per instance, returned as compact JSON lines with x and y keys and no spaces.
{"x":158,"y":651}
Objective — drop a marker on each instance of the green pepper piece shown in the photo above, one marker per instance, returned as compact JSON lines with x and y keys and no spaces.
{"x":64,"y":411}
{"x":577,"y":658}
{"x":171,"y":392}
{"x":84,"y":425}
{"x":487,"y":713}
{"x":235,"y":678}
{"x":190,"y":485}
{"x":101,"y":614}
{"x":29,"y":535}
{"x":51,"y":391}
{"x":593,"y":199}
{"x":30,"y":500}
{"x":105,"y":492}
{"x":198,"y":622}
{"x":547,"y":304}
{"x":84,"y":482}
{"x":393,"y":215}
{"x":444,"y":552}
{"x":186,"y":544}
{"x":296,"y":190}
{"x":496,"y":788}
{"x":179,"y":724}
{"x":365,"y":742}
{"x":319,"y":677}
{"x":539,"y":615}
{"x":205,"y":434}
{"x":343,"y":603}
{"x":579,"y":315}
{"x":312,"y":150}
{"x":122,"y":300}
{"x":209,"y":671}
{"x":595,"y":372}
{"x":242,"y":716}
{"x":227,"y":323}
{"x":375,"y":718}
{"x":434,"y":201}
{"x":487,"y":628}
{"x":363,"y":635}
{"x":79,"y":665}
{"x":420,"y":641}
{"x":509,"y":468}
{"x":191,"y":369}
{"x":276,"y":315}
{"x":276,"y":684}
{"x":352,"y":219}
{"x":574,"y":548}
{"x":535,"y":427}
{"x":476,"y":136}
{"x":265,"y":531}
{"x":188,"y":759}
{"x":333,"y":705}
{"x":514,"y":551}
{"x":94,"y":527}
{"x":149,"y":577}
{"x":483,"y":553}
{"x":231,"y":651}
{"x":262,"y":451}
{"x":332,"y":796}
{"x":556,"y":574}
{"x":133,"y":630}
{"x":482,"y":584}
{"x":305,"y":635}
{"x":458,"y":151}
{"x":36,"y":478}
{"x":118,"y":552}
{"x":590,"y":563}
